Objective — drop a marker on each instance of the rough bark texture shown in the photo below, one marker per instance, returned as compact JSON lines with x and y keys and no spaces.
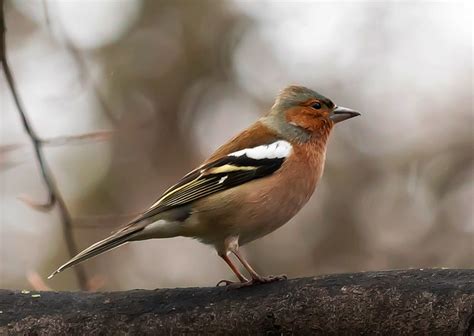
{"x":408,"y":302}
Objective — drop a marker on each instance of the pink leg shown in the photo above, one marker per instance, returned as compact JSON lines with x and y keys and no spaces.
{"x":256,"y":278}
{"x":234,"y":269}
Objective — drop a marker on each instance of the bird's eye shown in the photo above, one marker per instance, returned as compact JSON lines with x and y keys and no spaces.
{"x":316,"y":106}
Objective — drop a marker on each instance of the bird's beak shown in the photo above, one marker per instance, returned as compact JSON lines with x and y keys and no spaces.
{"x":342,"y":113}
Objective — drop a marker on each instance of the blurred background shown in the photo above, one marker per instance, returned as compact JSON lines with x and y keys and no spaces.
{"x":174,"y":79}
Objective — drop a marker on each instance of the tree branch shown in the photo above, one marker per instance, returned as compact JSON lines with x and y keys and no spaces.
{"x":54,"y":196}
{"x":406,"y":302}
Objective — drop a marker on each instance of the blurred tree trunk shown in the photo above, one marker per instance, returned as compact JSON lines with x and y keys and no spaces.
{"x":410,"y":302}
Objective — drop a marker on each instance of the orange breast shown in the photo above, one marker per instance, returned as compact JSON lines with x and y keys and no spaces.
{"x":275,"y":200}
{"x":259,"y":207}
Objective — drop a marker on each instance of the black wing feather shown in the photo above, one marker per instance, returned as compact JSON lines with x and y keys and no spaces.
{"x":230,"y":171}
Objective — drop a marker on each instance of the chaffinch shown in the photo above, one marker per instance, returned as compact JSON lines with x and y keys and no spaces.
{"x":248,"y":188}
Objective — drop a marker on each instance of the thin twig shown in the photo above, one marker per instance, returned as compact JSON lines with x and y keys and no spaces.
{"x":78,"y":139}
{"x":46,"y":15}
{"x":53,"y":193}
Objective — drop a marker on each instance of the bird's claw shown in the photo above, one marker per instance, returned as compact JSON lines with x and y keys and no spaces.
{"x":256,"y":281}
{"x":226,"y":283}
{"x":268,"y":279}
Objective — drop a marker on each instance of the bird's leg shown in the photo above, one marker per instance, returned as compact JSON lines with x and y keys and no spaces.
{"x":234,"y":269}
{"x":256,"y":278}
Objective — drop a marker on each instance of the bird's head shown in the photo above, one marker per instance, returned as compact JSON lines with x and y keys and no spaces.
{"x":302,"y":113}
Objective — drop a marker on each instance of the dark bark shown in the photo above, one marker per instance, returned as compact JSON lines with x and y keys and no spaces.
{"x":406,"y":302}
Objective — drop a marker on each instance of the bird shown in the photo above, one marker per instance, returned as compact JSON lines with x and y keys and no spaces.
{"x":248,"y":188}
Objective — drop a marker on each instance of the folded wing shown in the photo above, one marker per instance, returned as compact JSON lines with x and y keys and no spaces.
{"x":227,"y":172}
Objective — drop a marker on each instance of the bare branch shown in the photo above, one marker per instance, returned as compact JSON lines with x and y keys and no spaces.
{"x":46,"y":15}
{"x":38,"y":206}
{"x":19,"y":104}
{"x":54,"y":195}
{"x":78,"y":139}
{"x":64,"y":140}
{"x":403,"y":302}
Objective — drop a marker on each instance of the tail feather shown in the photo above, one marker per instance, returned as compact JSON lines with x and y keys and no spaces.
{"x":107,"y":244}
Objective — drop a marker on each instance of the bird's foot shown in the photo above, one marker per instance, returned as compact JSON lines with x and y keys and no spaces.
{"x":268,"y":279}
{"x":256,"y":281}
{"x":227,"y":283}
